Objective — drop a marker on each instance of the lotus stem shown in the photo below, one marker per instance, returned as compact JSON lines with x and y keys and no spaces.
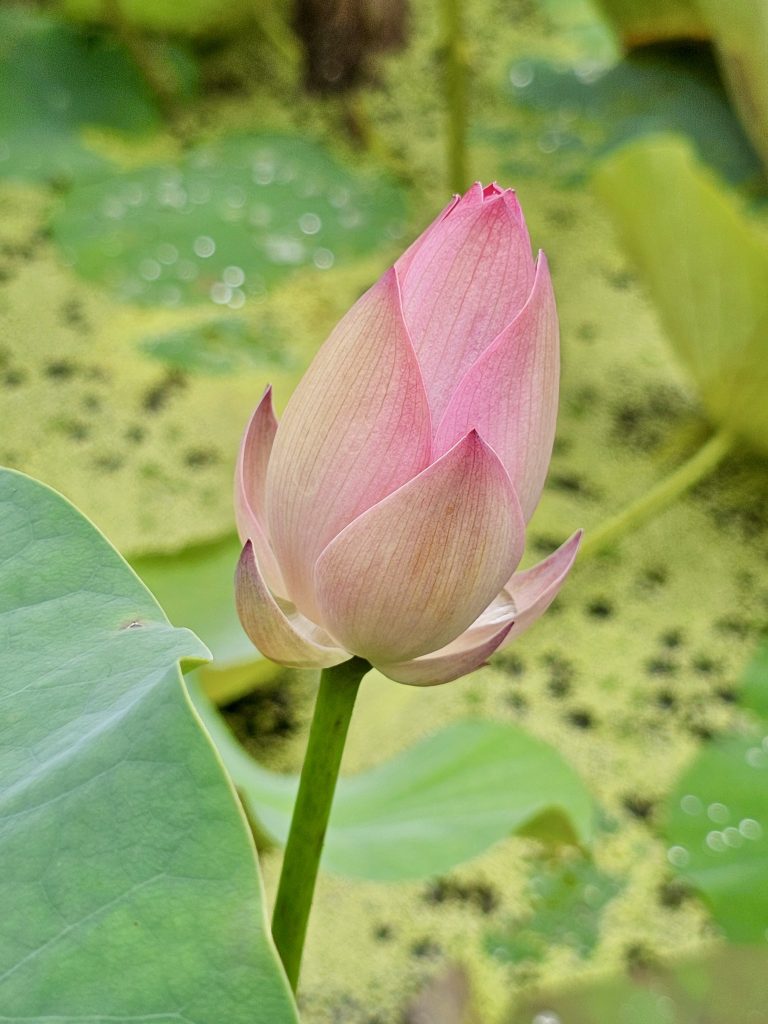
{"x":700,"y":465}
{"x":456,"y":100}
{"x":327,"y":735}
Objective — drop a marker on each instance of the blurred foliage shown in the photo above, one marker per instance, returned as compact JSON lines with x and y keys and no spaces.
{"x":706,"y":267}
{"x":717,"y":820}
{"x":648,"y":21}
{"x":590,"y":111}
{"x":738,"y":31}
{"x":567,"y":899}
{"x":48,"y":74}
{"x":429,"y":808}
{"x":193,"y":17}
{"x":230,"y":219}
{"x":726,"y":986}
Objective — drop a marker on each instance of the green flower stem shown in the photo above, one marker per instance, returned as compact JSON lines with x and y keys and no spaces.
{"x":706,"y":459}
{"x":333,"y":710}
{"x":455,"y":84}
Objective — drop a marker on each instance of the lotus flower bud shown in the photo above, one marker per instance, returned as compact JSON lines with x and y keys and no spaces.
{"x":385,"y":516}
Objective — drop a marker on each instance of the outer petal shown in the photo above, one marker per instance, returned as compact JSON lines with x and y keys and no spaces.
{"x":466,"y":282}
{"x":510,"y":394}
{"x":357,"y":427}
{"x":289,"y":639}
{"x":250,"y":486}
{"x":413,"y":572}
{"x":534,"y":590}
{"x":456,"y":659}
{"x":407,"y":258}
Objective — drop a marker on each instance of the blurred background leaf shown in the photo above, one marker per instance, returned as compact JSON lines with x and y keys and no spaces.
{"x":233,"y":217}
{"x":567,"y":900}
{"x":717,"y":819}
{"x":429,"y":808}
{"x":55,"y":83}
{"x":728,"y":985}
{"x":706,"y":267}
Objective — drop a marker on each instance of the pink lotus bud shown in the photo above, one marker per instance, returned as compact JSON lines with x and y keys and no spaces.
{"x":385,"y":516}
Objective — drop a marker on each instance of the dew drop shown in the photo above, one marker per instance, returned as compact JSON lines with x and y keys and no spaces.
{"x":691,"y":804}
{"x":150,"y":270}
{"x":323,"y":259}
{"x":750,"y":828}
{"x":521,"y":75}
{"x":310,"y":223}
{"x":238,"y":299}
{"x":733,"y":837}
{"x":186,"y":270}
{"x":546,"y":1017}
{"x":351,"y":218}
{"x":236,"y":197}
{"x":221,"y":293}
{"x":718,"y":813}
{"x":204,"y":247}
{"x":263,"y":172}
{"x":167,"y":253}
{"x":281,"y":249}
{"x":678,"y":856}
{"x":338,"y":197}
{"x":755,"y":757}
{"x":134,"y":194}
{"x":233,"y":276}
{"x":715,"y":841}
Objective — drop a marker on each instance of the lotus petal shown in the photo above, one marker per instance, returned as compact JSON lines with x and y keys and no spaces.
{"x":465,"y":654}
{"x":357,"y":428}
{"x":411,"y":573}
{"x":250,"y":485}
{"x":534,"y":590}
{"x":466,"y":282}
{"x":285,"y":637}
{"x":510,"y":394}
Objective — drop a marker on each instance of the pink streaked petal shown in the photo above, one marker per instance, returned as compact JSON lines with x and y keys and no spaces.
{"x":407,"y":258}
{"x":534,"y":590}
{"x":251,"y":469}
{"x":414,"y":571}
{"x":465,"y":654}
{"x":357,"y":428}
{"x":285,"y":637}
{"x":467,"y":281}
{"x":250,"y":484}
{"x":510,"y":394}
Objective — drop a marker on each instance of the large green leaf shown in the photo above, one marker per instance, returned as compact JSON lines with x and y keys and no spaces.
{"x":232,"y":218}
{"x":196,"y":587}
{"x":441,"y":802}
{"x":130,"y":888}
{"x":48,"y":98}
{"x":706,"y":267}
